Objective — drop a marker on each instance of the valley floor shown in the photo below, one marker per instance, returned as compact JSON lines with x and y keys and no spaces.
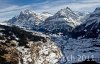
{"x":77,"y":50}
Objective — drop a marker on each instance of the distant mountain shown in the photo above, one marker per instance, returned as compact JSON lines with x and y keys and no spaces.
{"x":90,"y":28}
{"x":28,"y":19}
{"x":63,"y":21}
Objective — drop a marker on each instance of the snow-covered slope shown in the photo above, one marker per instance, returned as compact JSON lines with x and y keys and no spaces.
{"x":82,"y":16}
{"x":18,"y":46}
{"x":78,"y":50}
{"x":28,"y":19}
{"x":63,"y":21}
{"x":90,"y":27}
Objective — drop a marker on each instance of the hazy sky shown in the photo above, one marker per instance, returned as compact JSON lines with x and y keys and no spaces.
{"x":10,"y":8}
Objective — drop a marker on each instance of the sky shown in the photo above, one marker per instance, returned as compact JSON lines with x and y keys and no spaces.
{"x":11,"y":8}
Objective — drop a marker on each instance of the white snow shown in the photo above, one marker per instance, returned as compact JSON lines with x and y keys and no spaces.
{"x":76,"y":50}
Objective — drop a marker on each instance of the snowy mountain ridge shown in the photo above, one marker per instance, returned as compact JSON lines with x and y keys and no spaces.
{"x":63,"y":21}
{"x":28,"y":19}
{"x":68,"y":15}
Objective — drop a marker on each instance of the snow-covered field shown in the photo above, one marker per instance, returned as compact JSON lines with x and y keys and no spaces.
{"x":76,"y":50}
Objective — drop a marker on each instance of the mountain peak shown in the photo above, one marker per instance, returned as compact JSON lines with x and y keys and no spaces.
{"x":27,"y":11}
{"x":66,"y":13}
{"x":61,"y":22}
{"x":65,"y":10}
{"x":97,"y":10}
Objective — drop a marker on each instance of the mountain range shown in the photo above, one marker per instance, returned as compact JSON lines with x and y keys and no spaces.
{"x":28,"y":19}
{"x":63,"y":21}
{"x":39,"y":36}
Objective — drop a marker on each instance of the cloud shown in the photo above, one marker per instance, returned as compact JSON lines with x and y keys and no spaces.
{"x":50,"y":6}
{"x":76,"y":5}
{"x":9,"y":12}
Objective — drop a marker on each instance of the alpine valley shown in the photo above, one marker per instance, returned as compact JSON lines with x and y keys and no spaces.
{"x":66,"y":37}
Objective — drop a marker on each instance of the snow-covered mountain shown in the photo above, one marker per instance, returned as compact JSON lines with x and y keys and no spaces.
{"x":82,"y":16}
{"x":22,"y":46}
{"x":90,"y":27}
{"x":28,"y":19}
{"x":63,"y":21}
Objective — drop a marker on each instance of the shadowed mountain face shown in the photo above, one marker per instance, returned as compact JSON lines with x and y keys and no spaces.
{"x":90,"y":28}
